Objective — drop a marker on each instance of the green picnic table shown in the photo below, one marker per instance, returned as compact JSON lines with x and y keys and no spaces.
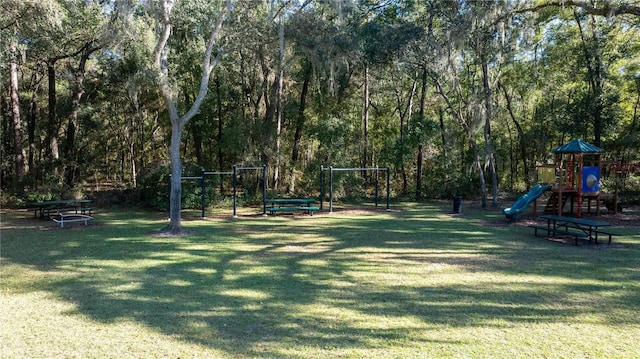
{"x":575,"y":227}
{"x":291,"y":205}
{"x":44,"y":209}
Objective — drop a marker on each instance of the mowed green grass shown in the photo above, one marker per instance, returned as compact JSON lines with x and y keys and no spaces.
{"x":416,"y":282}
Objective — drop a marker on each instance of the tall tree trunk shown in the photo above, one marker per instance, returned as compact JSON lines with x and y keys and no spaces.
{"x":443,"y":138}
{"x":420,"y":150}
{"x":178,"y":122}
{"x":404,"y":112}
{"x":196,"y":132}
{"x":295,"y":153}
{"x":52,"y":120}
{"x":300,"y":119}
{"x":593,"y":61}
{"x":53,"y":126}
{"x":365,"y":121}
{"x":279,"y":100}
{"x":70,"y":152}
{"x":175,"y":195}
{"x":134,"y":167}
{"x":31,"y":123}
{"x":487,"y":130}
{"x":18,"y":149}
{"x":269,"y":93}
{"x":220,"y":134}
{"x":521,"y":141}
{"x":469,"y":132}
{"x":636,"y":107}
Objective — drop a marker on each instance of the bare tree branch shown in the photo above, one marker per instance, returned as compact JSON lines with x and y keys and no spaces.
{"x":208,"y":64}
{"x":604,"y":8}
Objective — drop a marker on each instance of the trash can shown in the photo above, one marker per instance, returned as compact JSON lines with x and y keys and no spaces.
{"x":457,"y":202}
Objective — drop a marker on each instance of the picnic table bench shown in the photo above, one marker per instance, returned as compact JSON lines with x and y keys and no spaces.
{"x":72,"y":217}
{"x":46,"y":209}
{"x":578,"y":228}
{"x":291,"y":205}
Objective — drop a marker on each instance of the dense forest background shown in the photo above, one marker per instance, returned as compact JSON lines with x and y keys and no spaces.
{"x":455,"y":97}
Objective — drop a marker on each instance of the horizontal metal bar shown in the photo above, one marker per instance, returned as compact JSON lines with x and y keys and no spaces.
{"x":357,"y":169}
{"x":190,"y":178}
{"x":249,"y":168}
{"x":217,"y":173}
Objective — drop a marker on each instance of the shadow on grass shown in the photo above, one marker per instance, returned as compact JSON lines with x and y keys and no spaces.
{"x":326,"y":281}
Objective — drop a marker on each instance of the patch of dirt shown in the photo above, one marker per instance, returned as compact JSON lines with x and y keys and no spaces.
{"x":363,"y":210}
{"x":301,"y":214}
{"x":168,"y":234}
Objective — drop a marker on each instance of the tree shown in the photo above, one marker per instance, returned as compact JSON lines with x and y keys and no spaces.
{"x":19,"y":152}
{"x":298,"y":81}
{"x":465,"y":39}
{"x":93,"y":31}
{"x":161,"y":66}
{"x":19,"y":20}
{"x":606,"y":8}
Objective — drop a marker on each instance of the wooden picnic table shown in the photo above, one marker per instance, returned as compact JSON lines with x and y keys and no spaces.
{"x":291,"y":205}
{"x":575,"y":227}
{"x":45,"y":208}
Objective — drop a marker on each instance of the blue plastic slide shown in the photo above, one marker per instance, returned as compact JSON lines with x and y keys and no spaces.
{"x":525,"y":200}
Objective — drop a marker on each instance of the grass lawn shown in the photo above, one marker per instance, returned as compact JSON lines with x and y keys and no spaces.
{"x":416,"y":282}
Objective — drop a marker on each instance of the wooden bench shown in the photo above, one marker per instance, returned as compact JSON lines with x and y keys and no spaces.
{"x":72,"y":217}
{"x":559,"y":231}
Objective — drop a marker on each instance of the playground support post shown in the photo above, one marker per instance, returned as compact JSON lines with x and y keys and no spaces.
{"x":264,"y":190}
{"x":321,"y":186}
{"x":202,"y":200}
{"x":235,"y":187}
{"x":330,"y":189}
{"x":388,"y":182}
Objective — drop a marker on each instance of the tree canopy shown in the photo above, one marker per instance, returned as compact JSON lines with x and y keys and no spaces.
{"x":456,"y":97}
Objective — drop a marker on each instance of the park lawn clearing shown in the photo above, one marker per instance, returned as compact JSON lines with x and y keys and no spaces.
{"x":414,"y":282}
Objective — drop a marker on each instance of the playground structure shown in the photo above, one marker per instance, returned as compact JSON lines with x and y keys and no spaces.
{"x":236,"y":169}
{"x":578,"y":177}
{"x":525,"y":200}
{"x":234,"y":174}
{"x":574,"y":178}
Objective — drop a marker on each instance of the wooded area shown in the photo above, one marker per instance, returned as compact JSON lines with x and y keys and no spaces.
{"x":456,"y":97}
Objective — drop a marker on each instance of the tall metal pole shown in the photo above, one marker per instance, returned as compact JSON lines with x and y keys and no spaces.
{"x":388,"y":188}
{"x":203,"y":194}
{"x":235,"y":173}
{"x":264,"y":189}
{"x":377,"y":183}
{"x":321,"y":185}
{"x":330,"y":189}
